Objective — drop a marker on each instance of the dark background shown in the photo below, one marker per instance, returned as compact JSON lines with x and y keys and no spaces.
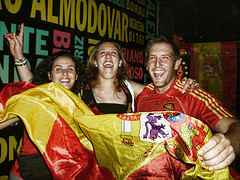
{"x":202,"y":21}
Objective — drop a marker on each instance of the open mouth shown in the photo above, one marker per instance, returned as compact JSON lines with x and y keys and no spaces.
{"x":64,"y":80}
{"x":108,"y":64}
{"x":158,"y":73}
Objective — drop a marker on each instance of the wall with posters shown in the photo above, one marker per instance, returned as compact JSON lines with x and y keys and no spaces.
{"x":75,"y":26}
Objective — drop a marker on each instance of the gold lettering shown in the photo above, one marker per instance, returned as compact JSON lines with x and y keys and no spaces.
{"x":135,"y":8}
{"x":38,"y":7}
{"x":81,"y":26}
{"x":92,"y":23}
{"x":50,"y":17}
{"x":124,"y":27}
{"x":102,"y":11}
{"x":128,"y":3}
{"x":135,"y":24}
{"x":117,"y":28}
{"x":12,"y":147}
{"x":67,"y":6}
{"x":94,"y":42}
{"x":110,"y":21}
{"x":13,"y":7}
{"x":3,"y":145}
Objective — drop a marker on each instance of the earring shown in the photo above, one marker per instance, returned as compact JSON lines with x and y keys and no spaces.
{"x":49,"y":76}
{"x":95,"y":65}
{"x":119,"y":65}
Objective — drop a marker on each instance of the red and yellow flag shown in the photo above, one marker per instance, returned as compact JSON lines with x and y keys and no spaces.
{"x":214,"y":65}
{"x":76,"y":144}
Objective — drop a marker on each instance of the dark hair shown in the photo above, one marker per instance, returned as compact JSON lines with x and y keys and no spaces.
{"x":41,"y":72}
{"x":92,"y":70}
{"x":162,"y":39}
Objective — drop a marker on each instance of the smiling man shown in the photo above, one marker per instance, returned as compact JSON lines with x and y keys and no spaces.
{"x":165,"y":94}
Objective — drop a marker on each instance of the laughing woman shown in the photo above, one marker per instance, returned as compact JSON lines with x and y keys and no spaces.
{"x":109,"y":89}
{"x":62,"y":69}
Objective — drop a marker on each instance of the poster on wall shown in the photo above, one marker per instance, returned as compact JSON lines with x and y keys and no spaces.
{"x":75,"y":26}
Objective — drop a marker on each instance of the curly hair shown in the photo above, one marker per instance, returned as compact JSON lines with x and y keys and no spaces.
{"x":92,"y":70}
{"x":162,"y":39}
{"x":41,"y":72}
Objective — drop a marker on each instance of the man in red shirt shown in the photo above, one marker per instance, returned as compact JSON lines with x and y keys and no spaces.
{"x":164,"y":94}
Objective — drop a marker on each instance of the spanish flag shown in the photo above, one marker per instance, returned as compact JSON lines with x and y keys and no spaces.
{"x":214,"y":65}
{"x":76,"y":144}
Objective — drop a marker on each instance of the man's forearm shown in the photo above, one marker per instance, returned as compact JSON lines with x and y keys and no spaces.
{"x":233,"y":136}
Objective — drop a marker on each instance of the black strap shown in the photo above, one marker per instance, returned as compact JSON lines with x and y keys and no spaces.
{"x":90,"y":101}
{"x":33,"y":167}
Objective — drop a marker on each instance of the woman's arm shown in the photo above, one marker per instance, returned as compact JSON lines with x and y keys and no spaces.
{"x":137,"y":88}
{"x":8,"y":122}
{"x":16,"y":49}
{"x":188,"y":82}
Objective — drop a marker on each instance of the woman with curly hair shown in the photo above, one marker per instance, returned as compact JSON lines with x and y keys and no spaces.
{"x":43,"y":71}
{"x":46,"y":72}
{"x":61,"y":68}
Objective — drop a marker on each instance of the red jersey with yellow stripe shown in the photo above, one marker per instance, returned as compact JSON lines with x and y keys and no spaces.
{"x":198,"y":103}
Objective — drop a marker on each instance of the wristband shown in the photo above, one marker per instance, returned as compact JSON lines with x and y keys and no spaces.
{"x":20,"y":62}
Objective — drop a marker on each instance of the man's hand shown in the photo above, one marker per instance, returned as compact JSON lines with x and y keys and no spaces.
{"x":16,"y":43}
{"x":188,"y":82}
{"x":217,"y":153}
